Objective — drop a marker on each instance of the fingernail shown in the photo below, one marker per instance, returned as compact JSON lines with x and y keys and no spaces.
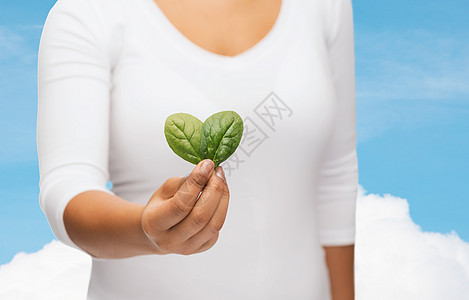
{"x":220,"y":173}
{"x":206,"y":166}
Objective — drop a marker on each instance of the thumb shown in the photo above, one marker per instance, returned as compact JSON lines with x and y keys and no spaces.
{"x":195,"y":182}
{"x":179,"y":206}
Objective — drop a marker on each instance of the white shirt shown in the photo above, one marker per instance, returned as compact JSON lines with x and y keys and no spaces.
{"x":111,"y":71}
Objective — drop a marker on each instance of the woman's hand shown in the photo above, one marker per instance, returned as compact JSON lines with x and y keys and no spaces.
{"x":178,"y":220}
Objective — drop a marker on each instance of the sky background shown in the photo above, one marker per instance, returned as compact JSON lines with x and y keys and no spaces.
{"x":412,"y":70}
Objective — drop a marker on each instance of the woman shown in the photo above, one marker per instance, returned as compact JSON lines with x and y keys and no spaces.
{"x":111,"y":71}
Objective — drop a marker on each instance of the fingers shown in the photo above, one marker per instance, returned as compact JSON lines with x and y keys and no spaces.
{"x":215,"y":224}
{"x":207,"y":245}
{"x":159,"y":197}
{"x":179,"y":206}
{"x":203,"y":210}
{"x":168,"y":188}
{"x":187,"y":223}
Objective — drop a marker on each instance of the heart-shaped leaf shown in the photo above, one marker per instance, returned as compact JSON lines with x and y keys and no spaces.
{"x":217,"y":138}
{"x":221,"y":135}
{"x":183,"y":132}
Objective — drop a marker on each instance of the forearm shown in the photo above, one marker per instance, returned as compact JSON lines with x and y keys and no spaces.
{"x":107,"y":226}
{"x":340,"y":262}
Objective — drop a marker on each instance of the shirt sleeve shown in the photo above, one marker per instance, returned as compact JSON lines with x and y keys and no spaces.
{"x":338,"y":179}
{"x":73,"y":109}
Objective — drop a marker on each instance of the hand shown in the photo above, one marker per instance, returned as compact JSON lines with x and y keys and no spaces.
{"x":177,"y":220}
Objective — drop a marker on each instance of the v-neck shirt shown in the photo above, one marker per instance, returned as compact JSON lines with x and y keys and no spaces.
{"x":111,"y":71}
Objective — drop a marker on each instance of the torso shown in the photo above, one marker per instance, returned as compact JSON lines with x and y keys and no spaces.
{"x":227,"y":27}
{"x":280,"y":84}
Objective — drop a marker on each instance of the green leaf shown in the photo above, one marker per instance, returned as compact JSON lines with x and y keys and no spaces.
{"x":221,"y":135}
{"x":183,"y":134}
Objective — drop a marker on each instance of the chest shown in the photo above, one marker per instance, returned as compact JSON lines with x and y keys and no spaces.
{"x":283,"y":91}
{"x":223,"y":27}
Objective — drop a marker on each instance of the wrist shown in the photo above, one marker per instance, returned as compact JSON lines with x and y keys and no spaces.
{"x":150,"y":245}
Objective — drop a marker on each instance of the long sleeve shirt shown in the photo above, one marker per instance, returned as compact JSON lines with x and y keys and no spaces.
{"x":111,"y":71}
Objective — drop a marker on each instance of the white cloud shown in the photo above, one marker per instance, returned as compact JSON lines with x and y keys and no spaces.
{"x":55,"y":272}
{"x":395,"y":260}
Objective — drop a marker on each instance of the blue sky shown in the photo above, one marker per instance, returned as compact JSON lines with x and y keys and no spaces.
{"x":412,"y":70}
